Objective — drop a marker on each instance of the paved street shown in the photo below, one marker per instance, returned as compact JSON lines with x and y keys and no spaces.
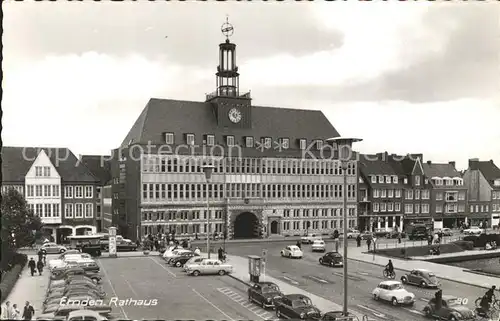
{"x":179,"y":296}
{"x":327,"y":282}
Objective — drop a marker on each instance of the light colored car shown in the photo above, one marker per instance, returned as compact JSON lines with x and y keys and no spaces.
{"x":68,"y":257}
{"x":51,"y":248}
{"x":474,"y":230}
{"x":318,"y":246}
{"x":292,"y":251}
{"x":209,"y":266}
{"x":80,"y":315}
{"x":352,"y":234}
{"x":447,"y":232}
{"x":169,"y":253}
{"x":394,"y":292}
{"x":193,"y":261}
{"x":310,"y":238}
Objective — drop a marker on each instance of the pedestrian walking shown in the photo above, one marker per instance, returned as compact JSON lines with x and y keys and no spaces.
{"x":28,"y":311}
{"x":16,"y":314}
{"x":368,"y":244}
{"x":32,"y":266}
{"x":39,"y":266}
{"x":358,"y":240}
{"x":40,"y":255}
{"x":220,"y":252}
{"x":7,"y":311}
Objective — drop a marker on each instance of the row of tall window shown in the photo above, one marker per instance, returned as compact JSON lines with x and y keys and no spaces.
{"x":179,"y":164}
{"x":495,"y":195}
{"x":386,"y":207}
{"x":42,"y":190}
{"x":450,"y":196}
{"x":86,"y":191}
{"x":45,"y":210}
{"x":217,"y":191}
{"x":495,"y":207}
{"x":480,"y":208}
{"x":42,"y":171}
{"x":417,"y":208}
{"x":79,"y":210}
{"x":457,"y":181}
{"x":315,"y":225}
{"x":18,"y":188}
{"x":247,"y":141}
{"x":317,"y":212}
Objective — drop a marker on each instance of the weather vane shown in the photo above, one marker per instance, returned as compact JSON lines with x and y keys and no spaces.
{"x":227,"y":28}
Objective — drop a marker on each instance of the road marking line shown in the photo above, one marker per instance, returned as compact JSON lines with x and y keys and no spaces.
{"x":291,"y":281}
{"x":423,"y":299}
{"x":246,"y":305}
{"x":175,"y":276}
{"x":414,"y":311}
{"x":216,"y":307}
{"x":363,"y":273}
{"x":240,"y":300}
{"x":318,"y":279}
{"x":113,"y":289}
{"x":130,"y":286}
{"x":375,"y":312}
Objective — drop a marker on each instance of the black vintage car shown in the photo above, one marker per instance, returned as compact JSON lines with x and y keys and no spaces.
{"x":74,"y":271}
{"x":181,"y":260}
{"x":331,"y":259}
{"x":296,"y":306}
{"x":264,"y":294}
{"x":334,"y":316}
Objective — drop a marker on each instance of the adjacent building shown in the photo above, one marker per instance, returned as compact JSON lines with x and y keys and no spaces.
{"x":274,"y":172}
{"x":449,"y":194}
{"x":482,"y":180}
{"x":56,"y":185}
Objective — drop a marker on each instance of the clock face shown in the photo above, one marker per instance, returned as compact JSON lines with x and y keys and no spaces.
{"x":234,"y":115}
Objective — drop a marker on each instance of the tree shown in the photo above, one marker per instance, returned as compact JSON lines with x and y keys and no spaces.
{"x":19,"y":224}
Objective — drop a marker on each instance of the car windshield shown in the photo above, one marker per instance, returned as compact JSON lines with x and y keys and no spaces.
{"x":301,"y":303}
{"x":395,"y":287}
{"x":270,"y":288}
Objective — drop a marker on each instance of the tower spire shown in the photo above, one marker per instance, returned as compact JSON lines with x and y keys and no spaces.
{"x":227,"y":75}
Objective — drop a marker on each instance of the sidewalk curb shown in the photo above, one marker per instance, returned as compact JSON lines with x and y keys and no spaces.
{"x":239,"y":280}
{"x":441,"y":277}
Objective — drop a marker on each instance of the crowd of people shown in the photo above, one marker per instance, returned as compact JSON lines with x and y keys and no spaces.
{"x":12,"y":312}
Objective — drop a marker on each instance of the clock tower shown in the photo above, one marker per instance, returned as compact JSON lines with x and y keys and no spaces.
{"x":233,"y":110}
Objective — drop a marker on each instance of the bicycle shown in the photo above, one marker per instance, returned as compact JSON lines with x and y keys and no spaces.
{"x":389,"y":275}
{"x":495,"y":304}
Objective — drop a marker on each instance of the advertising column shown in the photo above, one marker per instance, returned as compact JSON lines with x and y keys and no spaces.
{"x":112,"y":242}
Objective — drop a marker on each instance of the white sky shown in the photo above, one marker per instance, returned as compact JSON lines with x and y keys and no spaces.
{"x":404,"y":77}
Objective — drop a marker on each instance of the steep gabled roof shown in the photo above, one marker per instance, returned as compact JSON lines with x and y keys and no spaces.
{"x":16,"y":161}
{"x":489,"y":170}
{"x":198,"y":118}
{"x":440,"y":170}
{"x":417,"y":168}
{"x":374,"y":165}
{"x":99,"y":166}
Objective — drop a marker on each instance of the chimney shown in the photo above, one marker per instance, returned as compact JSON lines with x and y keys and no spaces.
{"x":474,"y":163}
{"x":429,"y":162}
{"x":452,"y":164}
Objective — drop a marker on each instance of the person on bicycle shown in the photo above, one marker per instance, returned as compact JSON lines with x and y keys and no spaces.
{"x":389,"y":268}
{"x":487,"y":299}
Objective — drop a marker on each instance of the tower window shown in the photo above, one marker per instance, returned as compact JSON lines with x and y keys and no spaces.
{"x":190,"y":139}
{"x":169,"y":138}
{"x":266,"y":141}
{"x":319,"y":144}
{"x":230,"y":140}
{"x":285,"y":143}
{"x":210,"y":140}
{"x":249,"y":142}
{"x":302,"y":143}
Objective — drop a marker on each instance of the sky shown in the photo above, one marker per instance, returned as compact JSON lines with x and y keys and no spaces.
{"x":404,"y":77}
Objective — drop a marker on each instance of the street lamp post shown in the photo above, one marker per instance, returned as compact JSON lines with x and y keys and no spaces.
{"x":208,"y":169}
{"x":345,"y":154}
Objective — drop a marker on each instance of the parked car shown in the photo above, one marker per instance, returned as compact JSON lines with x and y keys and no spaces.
{"x":177,"y":254}
{"x":52,"y":248}
{"x":193,"y":261}
{"x":55,"y":311}
{"x":396,"y":234}
{"x":85,"y":314}
{"x":264,"y":294}
{"x":332,"y":259}
{"x":209,"y":266}
{"x":450,"y":309}
{"x":335,"y":316}
{"x":126,"y":245}
{"x":446,"y":232}
{"x":310,"y":238}
{"x":352,"y":233}
{"x":394,"y":292}
{"x":67,"y":257}
{"x":474,"y":230}
{"x":170,"y":254}
{"x":366,"y":235}
{"x":292,"y":251}
{"x":382,"y":232}
{"x":182,"y":259}
{"x":318,"y":246}
{"x":421,"y":277}
{"x":296,"y":306}
{"x":71,"y":272}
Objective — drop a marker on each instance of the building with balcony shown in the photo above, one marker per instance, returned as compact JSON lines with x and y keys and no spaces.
{"x":57,"y":187}
{"x":274,"y":172}
{"x":100,"y":166}
{"x":482,"y":180}
{"x":448,"y":195}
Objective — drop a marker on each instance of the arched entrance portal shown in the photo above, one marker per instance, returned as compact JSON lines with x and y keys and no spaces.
{"x":274,"y":227}
{"x":246,"y":226}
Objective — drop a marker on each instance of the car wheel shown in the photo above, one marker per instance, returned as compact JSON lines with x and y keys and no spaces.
{"x":62,"y":251}
{"x":427,"y":312}
{"x":178,"y":264}
{"x":95,"y":280}
{"x":289,"y":255}
{"x":332,"y":264}
{"x":404,"y":279}
{"x":453,"y":318}
{"x":375,"y":297}
{"x":278,"y":313}
{"x":394,"y":301}
{"x":222,"y":272}
{"x":196,"y":273}
{"x":320,"y":261}
{"x":423,"y":284}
